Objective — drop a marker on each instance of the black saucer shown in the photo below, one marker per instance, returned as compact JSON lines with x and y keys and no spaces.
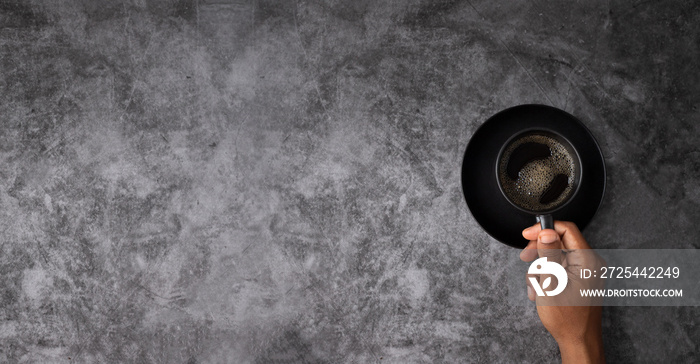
{"x":487,"y":204}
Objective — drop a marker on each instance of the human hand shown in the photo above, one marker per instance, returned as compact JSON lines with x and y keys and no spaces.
{"x":575,"y":324}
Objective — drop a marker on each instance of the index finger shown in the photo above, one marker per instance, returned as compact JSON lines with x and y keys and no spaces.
{"x":571,"y":236}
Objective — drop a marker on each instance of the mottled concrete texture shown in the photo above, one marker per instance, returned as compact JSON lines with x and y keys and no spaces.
{"x":278,"y":181}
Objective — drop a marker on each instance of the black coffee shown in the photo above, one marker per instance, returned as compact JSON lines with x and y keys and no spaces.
{"x":537,"y":172}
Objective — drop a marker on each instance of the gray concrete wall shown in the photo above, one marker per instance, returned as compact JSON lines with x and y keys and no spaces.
{"x":272,"y":181}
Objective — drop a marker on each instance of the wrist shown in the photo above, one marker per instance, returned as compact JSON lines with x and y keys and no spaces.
{"x":585,"y":350}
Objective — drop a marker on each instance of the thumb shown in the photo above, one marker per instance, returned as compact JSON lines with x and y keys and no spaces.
{"x":549,"y":245}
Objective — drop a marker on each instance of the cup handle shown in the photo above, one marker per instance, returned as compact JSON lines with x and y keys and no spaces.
{"x":546,"y":221}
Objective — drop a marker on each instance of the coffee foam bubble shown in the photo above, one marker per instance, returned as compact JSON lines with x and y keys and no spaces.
{"x":534,"y":178}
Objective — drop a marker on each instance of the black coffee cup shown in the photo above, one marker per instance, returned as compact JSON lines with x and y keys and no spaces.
{"x":538,"y":171}
{"x":501,"y":216}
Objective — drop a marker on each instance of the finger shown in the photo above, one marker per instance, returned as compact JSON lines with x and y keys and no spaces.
{"x":530,"y":252}
{"x":549,"y":245}
{"x":531,"y":294}
{"x":579,"y":254}
{"x":528,"y":255}
{"x":531,"y":232}
{"x":570,"y":235}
